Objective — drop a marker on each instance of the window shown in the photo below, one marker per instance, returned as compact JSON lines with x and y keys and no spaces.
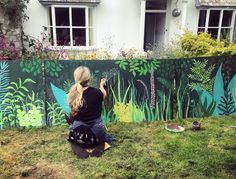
{"x":156,"y":5}
{"x":71,"y":26}
{"x":217,"y":22}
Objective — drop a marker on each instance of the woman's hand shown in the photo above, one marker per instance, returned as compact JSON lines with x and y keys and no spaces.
{"x":102,"y":85}
{"x":103,"y":82}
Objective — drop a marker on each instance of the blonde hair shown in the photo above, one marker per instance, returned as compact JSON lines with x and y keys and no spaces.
{"x":75,"y":97}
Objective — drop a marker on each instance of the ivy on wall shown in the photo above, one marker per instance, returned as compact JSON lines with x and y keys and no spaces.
{"x":15,"y":10}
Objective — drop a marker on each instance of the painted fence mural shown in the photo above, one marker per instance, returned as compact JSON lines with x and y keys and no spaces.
{"x":21,"y":94}
{"x":33,"y":93}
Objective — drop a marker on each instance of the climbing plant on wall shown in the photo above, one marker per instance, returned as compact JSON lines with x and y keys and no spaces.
{"x":15,"y":10}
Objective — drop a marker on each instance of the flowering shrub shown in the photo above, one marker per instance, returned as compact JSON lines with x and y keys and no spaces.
{"x":42,"y":48}
{"x":133,"y":53}
{"x":86,"y":55}
{"x":8,"y":49}
{"x":188,"y":45}
{"x":100,"y":54}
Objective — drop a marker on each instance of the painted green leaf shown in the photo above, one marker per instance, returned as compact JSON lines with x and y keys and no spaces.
{"x":232,"y":88}
{"x":28,"y":80}
{"x":134,"y":73}
{"x":218,"y":90}
{"x":204,"y":96}
{"x":61,"y":98}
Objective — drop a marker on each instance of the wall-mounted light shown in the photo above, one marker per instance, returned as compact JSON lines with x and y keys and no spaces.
{"x":176,"y":11}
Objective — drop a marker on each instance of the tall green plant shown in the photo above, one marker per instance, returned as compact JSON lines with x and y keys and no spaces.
{"x":117,"y":94}
{"x":201,"y":75}
{"x":4,"y":83}
{"x":15,"y":98}
{"x":203,"y":110}
{"x":183,"y":98}
{"x":227,"y":105}
{"x":108,"y":115}
{"x":55,"y":113}
{"x":32,"y":111}
{"x":223,"y":103}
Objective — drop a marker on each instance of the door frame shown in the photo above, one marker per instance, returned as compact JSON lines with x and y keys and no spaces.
{"x":143,"y":21}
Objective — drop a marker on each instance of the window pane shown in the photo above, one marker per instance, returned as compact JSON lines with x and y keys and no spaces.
{"x":225,"y":34}
{"x":62,"y":16}
{"x":158,"y":5}
{"x":50,"y":15}
{"x":79,"y":37}
{"x":63,"y":36}
{"x":213,"y":32}
{"x":202,"y":18}
{"x":214,"y":18}
{"x":78,"y":16}
{"x":227,"y":17}
{"x":200,"y":30}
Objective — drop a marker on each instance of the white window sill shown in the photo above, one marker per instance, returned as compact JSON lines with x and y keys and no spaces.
{"x":79,"y":48}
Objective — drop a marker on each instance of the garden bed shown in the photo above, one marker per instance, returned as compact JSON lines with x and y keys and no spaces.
{"x":140,"y":151}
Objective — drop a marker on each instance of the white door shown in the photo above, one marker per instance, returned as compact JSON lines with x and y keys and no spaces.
{"x":155,"y":24}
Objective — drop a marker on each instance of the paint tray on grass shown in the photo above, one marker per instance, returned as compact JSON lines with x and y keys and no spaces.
{"x":174,"y":128}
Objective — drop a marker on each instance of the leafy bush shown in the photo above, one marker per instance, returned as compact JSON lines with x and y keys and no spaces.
{"x":195,"y":45}
{"x":8,"y":49}
{"x":41,"y":48}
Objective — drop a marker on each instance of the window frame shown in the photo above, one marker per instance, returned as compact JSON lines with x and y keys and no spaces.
{"x":87,"y":27}
{"x":219,"y":27}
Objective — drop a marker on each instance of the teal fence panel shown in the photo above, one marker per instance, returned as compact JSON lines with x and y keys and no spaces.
{"x":21,"y":94}
{"x":133,"y":93}
{"x":205,"y":87}
{"x":33,"y":93}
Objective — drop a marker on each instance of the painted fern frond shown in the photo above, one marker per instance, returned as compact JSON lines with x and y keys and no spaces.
{"x":226,"y":105}
{"x":4,"y":83}
{"x":201,"y":75}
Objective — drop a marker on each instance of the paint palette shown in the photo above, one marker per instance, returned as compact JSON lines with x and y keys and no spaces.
{"x":174,"y":128}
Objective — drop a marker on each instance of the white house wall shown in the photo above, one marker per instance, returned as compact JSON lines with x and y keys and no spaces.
{"x":38,"y":17}
{"x":187,"y":20}
{"x":117,"y":23}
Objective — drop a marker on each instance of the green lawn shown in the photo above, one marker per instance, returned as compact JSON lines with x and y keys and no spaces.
{"x":140,"y":151}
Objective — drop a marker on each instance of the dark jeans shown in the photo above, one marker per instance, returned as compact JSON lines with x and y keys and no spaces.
{"x":96,"y":127}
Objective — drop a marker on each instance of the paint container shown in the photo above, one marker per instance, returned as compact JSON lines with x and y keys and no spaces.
{"x":196,"y":125}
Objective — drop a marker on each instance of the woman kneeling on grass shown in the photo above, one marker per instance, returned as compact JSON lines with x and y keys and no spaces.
{"x":87,"y":132}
